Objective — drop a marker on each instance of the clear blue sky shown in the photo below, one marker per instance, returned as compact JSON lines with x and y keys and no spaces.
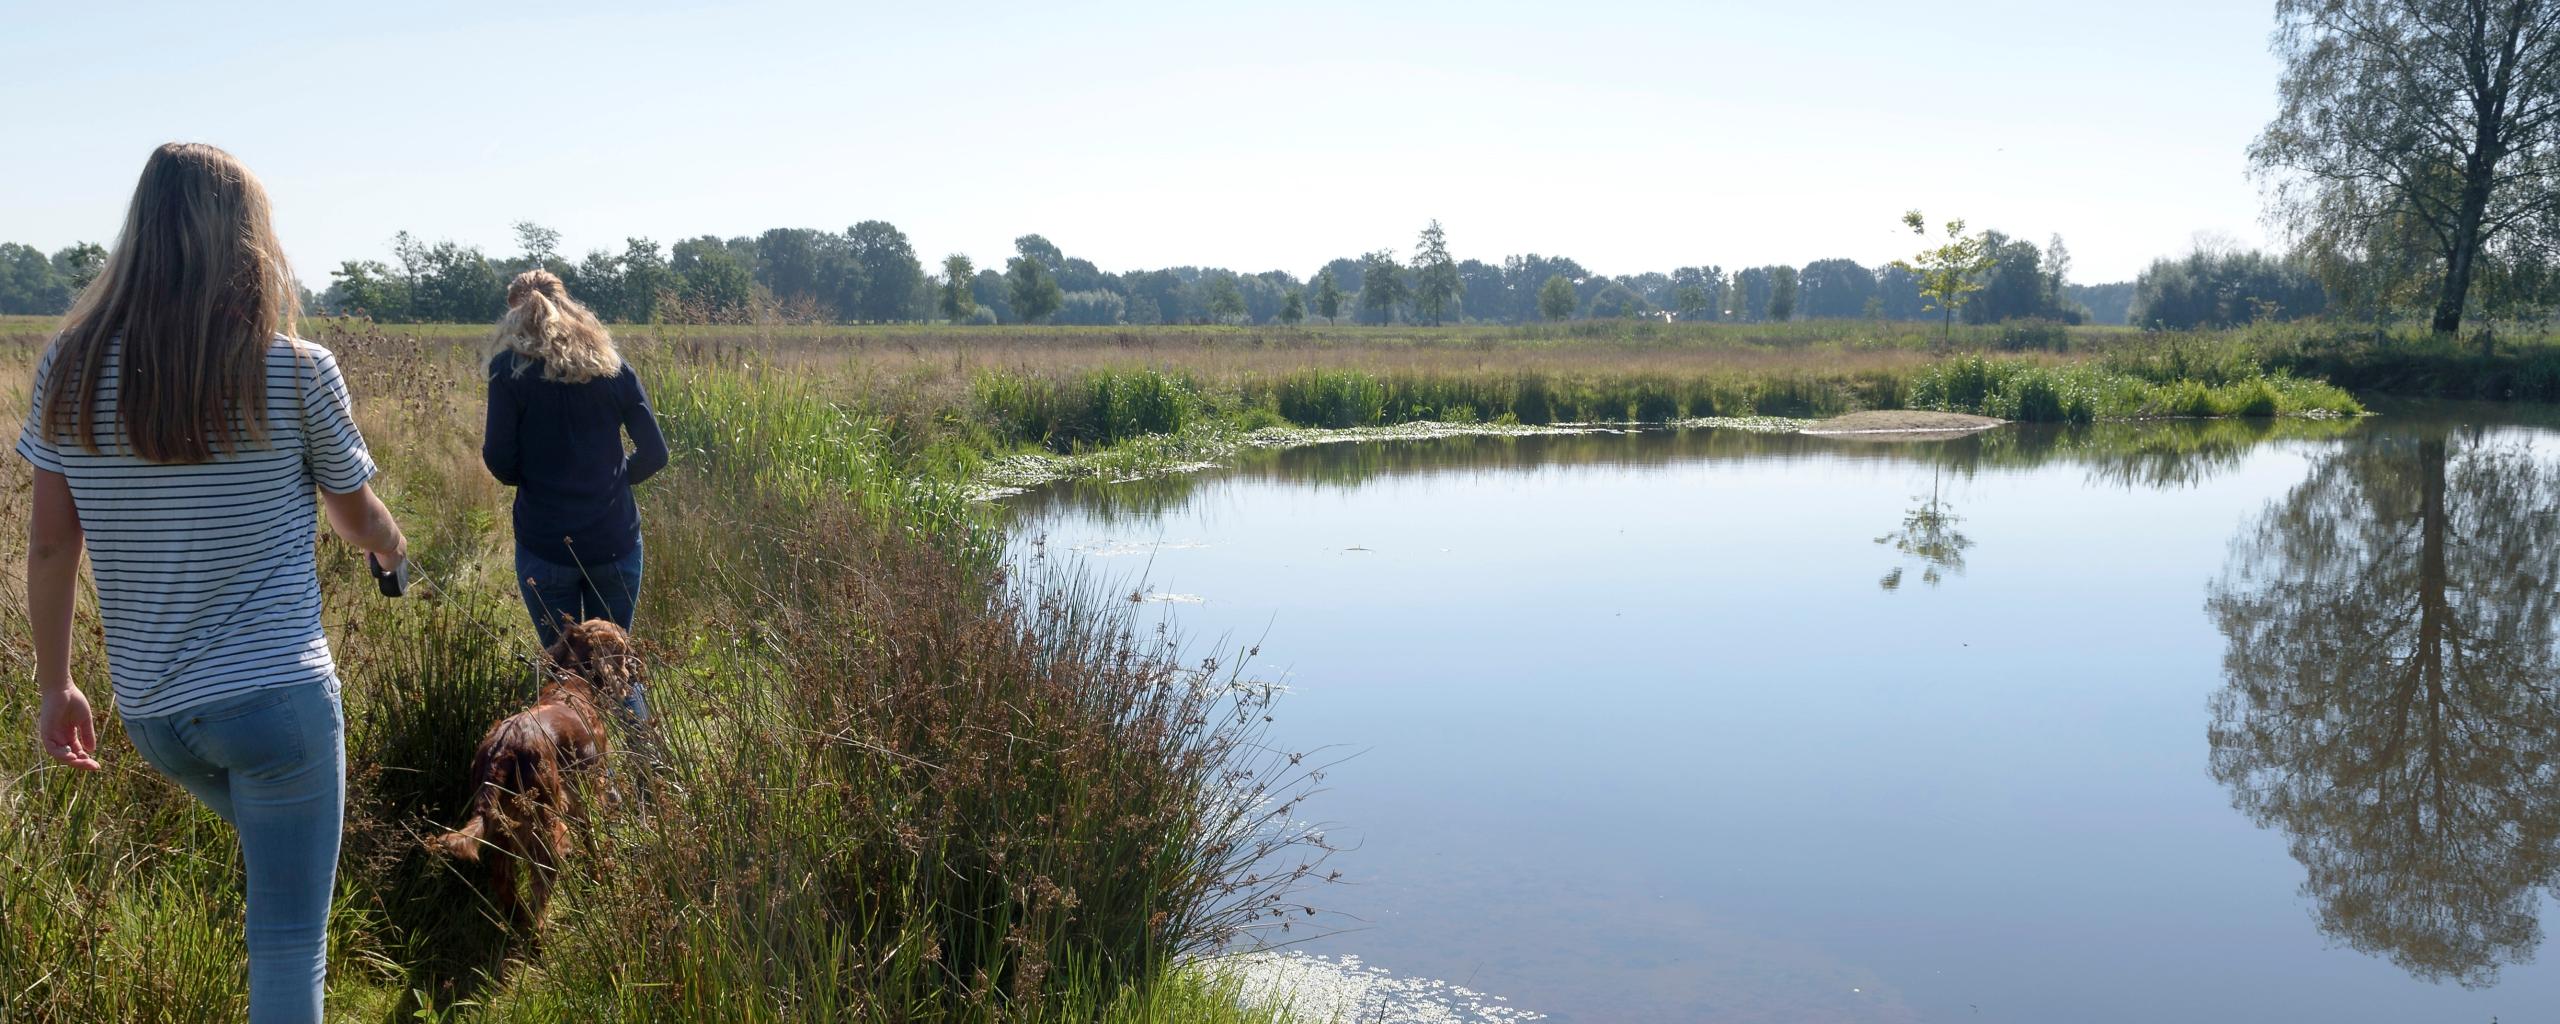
{"x":1628,"y":135}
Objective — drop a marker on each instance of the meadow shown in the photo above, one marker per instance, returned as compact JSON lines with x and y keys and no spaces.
{"x":903,"y":781}
{"x":898,"y":784}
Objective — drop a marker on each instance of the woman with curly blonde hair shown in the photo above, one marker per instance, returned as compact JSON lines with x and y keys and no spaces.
{"x":560,"y":401}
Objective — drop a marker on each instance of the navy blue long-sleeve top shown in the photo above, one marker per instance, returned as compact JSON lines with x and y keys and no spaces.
{"x":560,"y":446}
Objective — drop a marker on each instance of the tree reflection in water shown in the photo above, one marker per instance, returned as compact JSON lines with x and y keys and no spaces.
{"x":2389,"y":695}
{"x":1928,"y":533}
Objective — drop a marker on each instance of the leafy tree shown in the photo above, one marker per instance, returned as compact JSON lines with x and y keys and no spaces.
{"x":2388,"y":702}
{"x":540,"y":245}
{"x":1836,"y":289}
{"x":1038,"y":248}
{"x":2444,"y":114}
{"x":711,"y":279}
{"x":1482,"y":292}
{"x":1528,"y":275}
{"x":648,"y":281}
{"x":1949,"y":273}
{"x":1782,"y":294}
{"x":1265,"y":293}
{"x":2210,"y":288}
{"x":1328,"y":297}
{"x":1654,"y":287}
{"x":1294,"y":310}
{"x":1225,"y":303}
{"x":2057,"y":274}
{"x":1898,"y":293}
{"x":1688,"y":301}
{"x":28,"y":283}
{"x":1556,"y":300}
{"x":2372,"y":267}
{"x":1033,"y":292}
{"x":1696,"y":291}
{"x":799,"y":266}
{"x":1158,"y":297}
{"x":598,"y":283}
{"x":890,"y":275}
{"x":956,"y":303}
{"x":78,"y":264}
{"x":1751,"y":291}
{"x":992,"y":291}
{"x":1616,"y":299}
{"x":1092,"y":308}
{"x":1346,"y":274}
{"x":368,"y":288}
{"x":1436,"y":286}
{"x":2015,"y":285}
{"x":1382,"y":285}
{"x":447,"y":282}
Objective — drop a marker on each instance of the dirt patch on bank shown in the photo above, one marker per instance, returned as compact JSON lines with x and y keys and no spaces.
{"x":1902,"y":422}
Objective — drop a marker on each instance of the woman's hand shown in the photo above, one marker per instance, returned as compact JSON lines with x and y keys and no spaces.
{"x":65,"y":727}
{"x":390,"y":561}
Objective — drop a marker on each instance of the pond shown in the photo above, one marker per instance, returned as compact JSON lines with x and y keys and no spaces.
{"x":2177,"y":721}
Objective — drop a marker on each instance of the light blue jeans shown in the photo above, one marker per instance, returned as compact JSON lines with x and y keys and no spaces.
{"x":605,"y":590}
{"x":273,"y":763}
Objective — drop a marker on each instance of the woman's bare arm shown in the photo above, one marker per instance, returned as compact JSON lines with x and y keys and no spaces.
{"x":64,"y":724}
{"x":360,"y":518}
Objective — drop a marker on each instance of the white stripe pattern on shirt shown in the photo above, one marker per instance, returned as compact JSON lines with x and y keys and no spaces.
{"x":205,"y":572}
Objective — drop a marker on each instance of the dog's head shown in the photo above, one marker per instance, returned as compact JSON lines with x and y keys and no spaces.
{"x":600,"y":653}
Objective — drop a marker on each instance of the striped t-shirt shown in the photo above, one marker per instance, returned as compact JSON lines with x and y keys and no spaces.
{"x":206,"y":573}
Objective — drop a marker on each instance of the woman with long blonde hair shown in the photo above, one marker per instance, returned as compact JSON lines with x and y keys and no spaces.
{"x":561,"y":400}
{"x":177,"y":431}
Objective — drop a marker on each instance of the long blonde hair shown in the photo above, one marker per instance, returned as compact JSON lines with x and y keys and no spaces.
{"x":544,"y":323}
{"x":197,"y":287}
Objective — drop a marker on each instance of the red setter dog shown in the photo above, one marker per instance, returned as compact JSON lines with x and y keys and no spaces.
{"x":529,"y":772}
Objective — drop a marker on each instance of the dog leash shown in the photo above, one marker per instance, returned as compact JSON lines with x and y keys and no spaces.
{"x":395,"y":583}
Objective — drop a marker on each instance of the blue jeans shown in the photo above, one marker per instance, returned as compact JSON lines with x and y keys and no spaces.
{"x":273,"y":763}
{"x":604,"y":590}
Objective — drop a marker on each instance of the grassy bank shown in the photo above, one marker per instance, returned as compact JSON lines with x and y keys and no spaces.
{"x":895,"y":787}
{"x":2510,"y":363}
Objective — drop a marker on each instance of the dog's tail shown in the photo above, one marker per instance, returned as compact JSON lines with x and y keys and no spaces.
{"x":462,"y":843}
{"x":503,"y":771}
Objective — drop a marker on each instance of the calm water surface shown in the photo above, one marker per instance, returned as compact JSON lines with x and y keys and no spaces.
{"x":2213,"y":722}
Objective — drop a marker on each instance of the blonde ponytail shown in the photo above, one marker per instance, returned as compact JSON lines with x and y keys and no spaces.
{"x":544,"y":324}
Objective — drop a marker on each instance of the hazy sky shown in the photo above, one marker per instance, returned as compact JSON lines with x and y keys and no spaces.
{"x":1630,"y":136}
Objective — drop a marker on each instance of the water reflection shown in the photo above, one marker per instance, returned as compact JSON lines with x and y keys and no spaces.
{"x":1929,"y":534}
{"x":1640,"y":739}
{"x":2389,"y":695}
{"x":2156,"y":455}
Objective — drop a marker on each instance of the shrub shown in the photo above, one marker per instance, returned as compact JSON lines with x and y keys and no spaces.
{"x":2032,"y":336}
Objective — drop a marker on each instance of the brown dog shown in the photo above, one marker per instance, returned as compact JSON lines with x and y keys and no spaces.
{"x":530,"y":769}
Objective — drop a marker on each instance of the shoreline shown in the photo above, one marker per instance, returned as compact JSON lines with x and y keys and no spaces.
{"x":1205,"y":448}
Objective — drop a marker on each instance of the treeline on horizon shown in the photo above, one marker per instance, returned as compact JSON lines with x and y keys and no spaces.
{"x":870,"y":273}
